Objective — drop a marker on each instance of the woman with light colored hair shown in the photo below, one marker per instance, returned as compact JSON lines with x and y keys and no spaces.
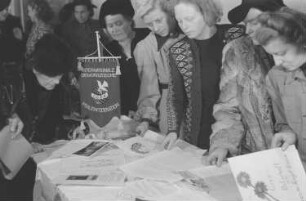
{"x":151,"y":55}
{"x":195,"y":69}
{"x":282,"y":34}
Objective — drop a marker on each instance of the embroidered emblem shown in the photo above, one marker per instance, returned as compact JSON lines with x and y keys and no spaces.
{"x":100,"y":92}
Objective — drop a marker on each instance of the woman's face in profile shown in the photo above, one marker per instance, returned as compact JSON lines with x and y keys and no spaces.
{"x":285,"y":54}
{"x":49,"y":83}
{"x":118,"y":27}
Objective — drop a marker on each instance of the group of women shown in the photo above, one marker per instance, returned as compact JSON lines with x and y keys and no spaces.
{"x":211,"y":84}
{"x":231,"y":89}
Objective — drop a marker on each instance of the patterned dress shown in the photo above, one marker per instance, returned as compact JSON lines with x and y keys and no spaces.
{"x":186,"y":96}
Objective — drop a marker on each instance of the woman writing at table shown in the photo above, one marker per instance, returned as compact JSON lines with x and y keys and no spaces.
{"x":282,"y":34}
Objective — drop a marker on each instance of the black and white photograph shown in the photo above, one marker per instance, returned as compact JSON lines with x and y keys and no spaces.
{"x":137,"y":91}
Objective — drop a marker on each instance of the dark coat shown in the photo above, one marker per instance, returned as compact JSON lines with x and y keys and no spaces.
{"x":11,"y":48}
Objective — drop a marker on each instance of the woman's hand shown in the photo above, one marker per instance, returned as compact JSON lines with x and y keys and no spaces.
{"x":283,"y":140}
{"x":169,"y":141}
{"x":142,"y":128}
{"x":15,"y":125}
{"x":217,"y":156}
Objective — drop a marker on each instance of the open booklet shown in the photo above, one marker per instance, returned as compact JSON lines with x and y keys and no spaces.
{"x":270,"y":175}
{"x":13,"y":153}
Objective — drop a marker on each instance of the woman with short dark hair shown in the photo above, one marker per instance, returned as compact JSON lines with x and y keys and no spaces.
{"x":116,"y":16}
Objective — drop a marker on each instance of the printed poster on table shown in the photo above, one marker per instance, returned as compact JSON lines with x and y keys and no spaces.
{"x":271,"y":175}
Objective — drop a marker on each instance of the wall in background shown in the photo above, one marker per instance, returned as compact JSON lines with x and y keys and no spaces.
{"x":230,"y":4}
{"x":19,"y":8}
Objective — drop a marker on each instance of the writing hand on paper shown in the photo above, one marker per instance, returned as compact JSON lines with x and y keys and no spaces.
{"x":169,"y":141}
{"x":15,"y":125}
{"x":283,"y":140}
{"x":217,"y":156}
{"x":142,"y":128}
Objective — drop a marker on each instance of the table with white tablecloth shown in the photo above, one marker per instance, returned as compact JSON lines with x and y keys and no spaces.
{"x":220,"y":182}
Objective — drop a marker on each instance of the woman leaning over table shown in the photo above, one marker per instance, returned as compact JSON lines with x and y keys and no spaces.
{"x":195,"y":63}
{"x":151,"y":55}
{"x":282,"y":34}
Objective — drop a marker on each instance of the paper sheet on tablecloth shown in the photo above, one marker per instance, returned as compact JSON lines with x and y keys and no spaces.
{"x":48,"y":150}
{"x":220,"y":181}
{"x":114,"y":177}
{"x":88,"y":193}
{"x":163,"y":165}
{"x":210,"y":171}
{"x":14,"y":153}
{"x":80,"y":147}
{"x":157,"y":190}
{"x":185,"y":146}
{"x":270,"y":175}
{"x":99,"y":170}
{"x":5,"y":139}
{"x":142,"y":146}
{"x":146,"y":190}
{"x":94,"y":165}
{"x":188,"y":195}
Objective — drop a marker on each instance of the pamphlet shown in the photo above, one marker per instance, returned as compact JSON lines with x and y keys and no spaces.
{"x":270,"y":175}
{"x":13,"y":152}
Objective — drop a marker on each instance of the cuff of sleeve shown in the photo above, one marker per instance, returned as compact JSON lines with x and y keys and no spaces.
{"x":284,"y":128}
{"x":147,"y":120}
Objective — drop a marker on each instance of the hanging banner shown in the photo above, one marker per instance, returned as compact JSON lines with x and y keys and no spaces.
{"x":100,"y":89}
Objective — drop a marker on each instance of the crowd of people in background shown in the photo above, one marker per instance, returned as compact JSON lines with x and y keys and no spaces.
{"x":229,"y":88}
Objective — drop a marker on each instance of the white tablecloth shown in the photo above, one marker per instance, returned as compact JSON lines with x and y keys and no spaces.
{"x":220,"y":181}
